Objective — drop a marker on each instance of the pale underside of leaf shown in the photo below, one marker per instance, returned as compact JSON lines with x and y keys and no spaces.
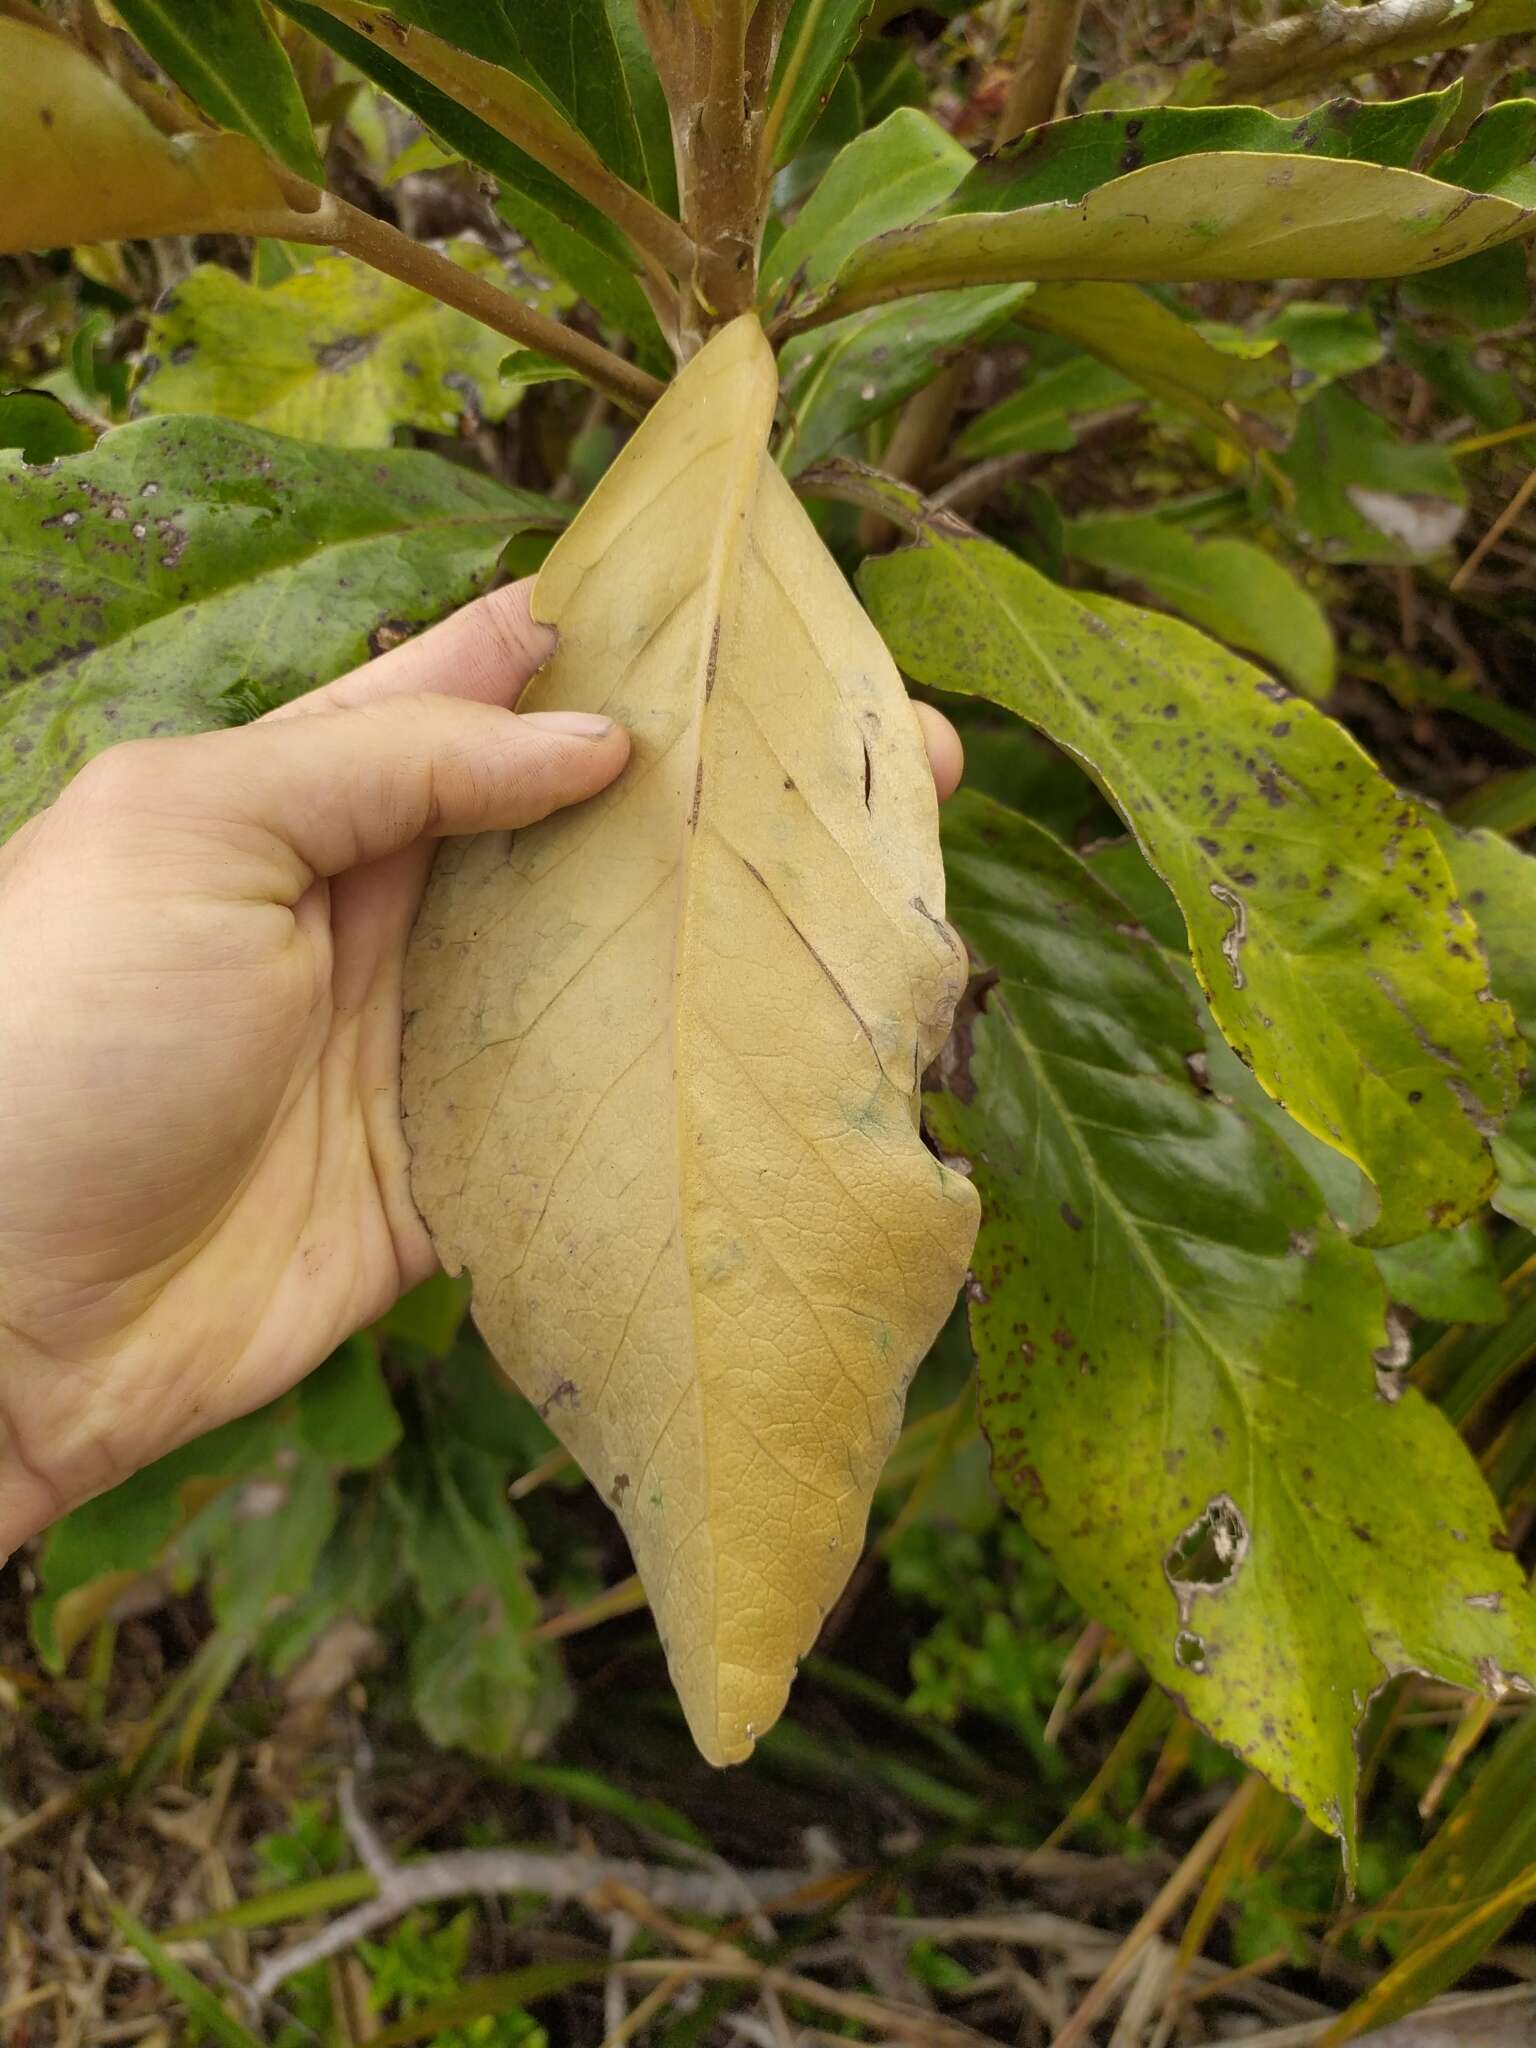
{"x":661,"y":1072}
{"x":80,"y":163}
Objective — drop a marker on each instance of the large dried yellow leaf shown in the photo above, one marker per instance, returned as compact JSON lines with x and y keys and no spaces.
{"x":79,"y":162}
{"x":661,"y":1075}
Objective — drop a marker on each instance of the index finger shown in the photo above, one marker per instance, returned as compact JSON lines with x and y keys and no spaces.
{"x":487,"y":651}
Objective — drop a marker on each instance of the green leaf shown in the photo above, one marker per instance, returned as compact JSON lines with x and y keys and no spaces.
{"x":1448,"y":1275}
{"x":525,"y":366}
{"x":1360,"y":494}
{"x":1330,"y":341}
{"x":1041,"y":414}
{"x":358,"y":1571}
{"x":339,"y":353}
{"x":882,"y":179}
{"x":1251,"y":201}
{"x":1232,"y":588}
{"x":41,"y":427}
{"x":205,"y":2013}
{"x":1357,"y":999}
{"x":567,"y":231}
{"x":1202,"y":1447}
{"x":429,"y":1316}
{"x":180,"y":560}
{"x":477,"y":1682}
{"x":1496,"y":153}
{"x":818,"y":36}
{"x":123,"y":1532}
{"x":1240,"y":392}
{"x":487,"y":1997}
{"x":588,"y":58}
{"x":259,"y":1543}
{"x":345,"y":1413}
{"x":1067,"y":160}
{"x":843,"y":376}
{"x":1486,"y":292}
{"x":1497,"y":883}
{"x":227,"y":60}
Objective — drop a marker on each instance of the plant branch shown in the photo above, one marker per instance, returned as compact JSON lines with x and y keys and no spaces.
{"x":516,"y":110}
{"x":716,"y":78}
{"x":1044,"y":61}
{"x":462,"y":1872}
{"x":334,"y":224}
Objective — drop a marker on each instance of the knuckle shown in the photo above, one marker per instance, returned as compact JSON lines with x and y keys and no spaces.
{"x":119,"y":775}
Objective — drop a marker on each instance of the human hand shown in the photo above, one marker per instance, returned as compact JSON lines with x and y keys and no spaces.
{"x":206,"y":1181}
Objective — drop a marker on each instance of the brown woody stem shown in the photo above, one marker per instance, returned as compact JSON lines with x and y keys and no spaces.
{"x":715,"y":80}
{"x":334,"y":224}
{"x":1045,"y":58}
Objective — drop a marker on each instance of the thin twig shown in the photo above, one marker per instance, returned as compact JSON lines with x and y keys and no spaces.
{"x":1496,"y":532}
{"x":1045,"y":59}
{"x":490,"y":1872}
{"x":333,"y":223}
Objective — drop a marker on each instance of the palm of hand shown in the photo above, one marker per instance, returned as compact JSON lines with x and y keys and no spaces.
{"x":194,"y":1216}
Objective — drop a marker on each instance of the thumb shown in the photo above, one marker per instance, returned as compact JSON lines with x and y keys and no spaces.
{"x":339,"y":788}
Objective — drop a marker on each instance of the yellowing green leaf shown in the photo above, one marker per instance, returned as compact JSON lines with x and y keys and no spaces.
{"x":1237,"y":392}
{"x":1202,"y":1440}
{"x":337,"y":353}
{"x":79,"y":162}
{"x":1230,"y":215}
{"x":1232,"y":588}
{"x":1322,"y":918}
{"x":661,"y":1074}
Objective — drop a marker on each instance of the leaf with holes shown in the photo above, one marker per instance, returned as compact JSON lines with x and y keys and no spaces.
{"x":338,"y":353}
{"x":1322,"y":918}
{"x":1205,"y":1445}
{"x":184,"y":574}
{"x":661,"y":1072}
